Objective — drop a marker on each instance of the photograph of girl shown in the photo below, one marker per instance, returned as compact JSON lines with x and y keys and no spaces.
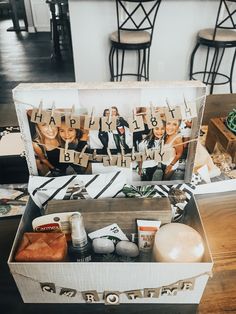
{"x":168,"y":136}
{"x":47,"y":141}
{"x":76,"y":140}
{"x":117,"y":140}
{"x":172,"y":139}
{"x":173,"y":146}
{"x":45,"y":144}
{"x":151,"y":170}
{"x":140,"y":135}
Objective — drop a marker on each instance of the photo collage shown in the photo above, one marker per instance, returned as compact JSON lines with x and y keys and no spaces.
{"x":150,"y":142}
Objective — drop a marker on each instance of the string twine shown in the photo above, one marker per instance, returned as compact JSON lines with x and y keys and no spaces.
{"x":109,"y":155}
{"x":189,"y":279}
{"x":18,"y":101}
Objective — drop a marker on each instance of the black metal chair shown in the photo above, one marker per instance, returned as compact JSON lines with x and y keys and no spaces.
{"x":135,"y":24}
{"x":216,"y":40}
{"x":59,"y":26}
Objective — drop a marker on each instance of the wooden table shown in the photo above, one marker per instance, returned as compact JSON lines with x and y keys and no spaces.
{"x":219,"y":216}
{"x":218,"y":213}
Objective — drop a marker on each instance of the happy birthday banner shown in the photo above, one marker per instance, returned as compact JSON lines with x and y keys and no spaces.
{"x":113,"y":297}
{"x":159,"y":154}
{"x":153,"y":118}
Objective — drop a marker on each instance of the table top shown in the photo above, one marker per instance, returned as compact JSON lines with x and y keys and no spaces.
{"x":218,"y":212}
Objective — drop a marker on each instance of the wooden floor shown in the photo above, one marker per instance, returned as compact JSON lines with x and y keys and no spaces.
{"x":25,"y":58}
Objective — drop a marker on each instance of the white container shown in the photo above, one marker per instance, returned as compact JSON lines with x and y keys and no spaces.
{"x":103,"y":277}
{"x":68,"y":282}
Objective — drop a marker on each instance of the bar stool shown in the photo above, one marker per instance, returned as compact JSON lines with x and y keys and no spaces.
{"x":59,"y":26}
{"x":135,"y":24}
{"x":216,"y":40}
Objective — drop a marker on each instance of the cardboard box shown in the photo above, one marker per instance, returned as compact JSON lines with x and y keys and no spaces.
{"x":218,"y":132}
{"x":69,"y":278}
{"x":112,"y":282}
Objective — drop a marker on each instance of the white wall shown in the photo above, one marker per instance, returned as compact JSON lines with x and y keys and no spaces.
{"x":29,"y":16}
{"x":41,"y":15}
{"x":177,"y":24}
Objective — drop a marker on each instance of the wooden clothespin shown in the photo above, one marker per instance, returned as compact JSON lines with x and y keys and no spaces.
{"x":188,"y":110}
{"x":146,"y":152}
{"x":161,"y":145}
{"x":168,"y":105}
{"x":109,"y":154}
{"x":151,"y":108}
{"x":66,"y":146}
{"x":37,"y":113}
{"x":171,"y":110}
{"x":94,"y":155}
{"x":53,"y":109}
{"x":134,"y":113}
{"x":122,"y":154}
{"x":83,"y":150}
{"x":72,"y":112}
{"x":110,"y":113}
{"x":132,"y":153}
{"x":92,"y":115}
{"x":40,"y":107}
{"x":185,"y":103}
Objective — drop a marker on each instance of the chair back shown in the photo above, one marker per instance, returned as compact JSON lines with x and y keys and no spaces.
{"x":226,"y":15}
{"x":136,"y":15}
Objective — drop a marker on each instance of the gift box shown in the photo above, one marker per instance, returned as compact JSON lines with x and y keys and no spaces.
{"x":111,"y":282}
{"x":68,"y":282}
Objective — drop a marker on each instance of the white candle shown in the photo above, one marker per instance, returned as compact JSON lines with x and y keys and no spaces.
{"x":178,"y":243}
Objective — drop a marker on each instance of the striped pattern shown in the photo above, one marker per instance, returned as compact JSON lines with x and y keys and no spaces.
{"x":159,"y":190}
{"x":107,"y":185}
{"x":42,"y":186}
{"x":58,"y":190}
{"x":42,"y":189}
{"x":163,"y":190}
{"x":188,"y":189}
